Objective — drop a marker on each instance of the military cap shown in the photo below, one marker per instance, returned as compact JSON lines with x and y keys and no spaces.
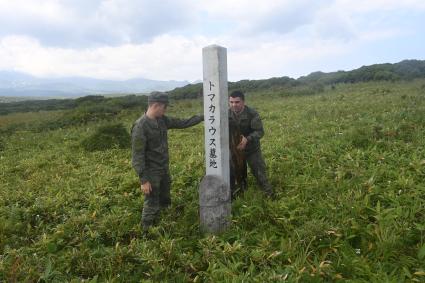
{"x":157,"y":96}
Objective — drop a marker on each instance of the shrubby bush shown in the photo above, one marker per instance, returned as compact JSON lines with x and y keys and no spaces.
{"x":128,"y":101}
{"x":186,"y":92}
{"x":79,"y":116}
{"x":406,"y":132}
{"x":93,"y":109}
{"x":89,"y":99}
{"x":86,"y":102}
{"x":36,"y":105}
{"x":365,"y":136}
{"x":107,"y":137}
{"x":360,"y":137}
{"x":310,"y":89}
{"x":93,"y":112}
{"x":9,"y":130}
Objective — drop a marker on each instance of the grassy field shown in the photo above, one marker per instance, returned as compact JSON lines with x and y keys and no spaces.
{"x":348,"y":166}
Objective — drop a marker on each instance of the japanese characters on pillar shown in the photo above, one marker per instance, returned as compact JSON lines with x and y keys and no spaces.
{"x":212,"y":127}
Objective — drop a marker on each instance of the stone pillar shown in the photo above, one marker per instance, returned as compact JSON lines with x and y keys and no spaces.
{"x":214,"y":192}
{"x":215,"y":205}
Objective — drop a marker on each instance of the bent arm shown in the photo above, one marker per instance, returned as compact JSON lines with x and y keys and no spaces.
{"x":257,"y":127}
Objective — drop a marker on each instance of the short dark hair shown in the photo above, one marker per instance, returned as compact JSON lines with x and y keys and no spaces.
{"x":158,"y":97}
{"x":238,"y":93}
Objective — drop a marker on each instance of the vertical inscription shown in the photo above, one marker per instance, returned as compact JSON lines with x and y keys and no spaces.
{"x":212,"y":127}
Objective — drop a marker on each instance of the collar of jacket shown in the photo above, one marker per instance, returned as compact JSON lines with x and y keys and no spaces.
{"x":153,"y":123}
{"x":240,"y":114}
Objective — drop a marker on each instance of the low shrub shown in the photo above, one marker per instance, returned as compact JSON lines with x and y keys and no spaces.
{"x":107,"y":137}
{"x":360,"y":137}
{"x":80,"y":116}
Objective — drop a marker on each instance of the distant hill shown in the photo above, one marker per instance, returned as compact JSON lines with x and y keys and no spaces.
{"x":404,"y":70}
{"x":19,"y":84}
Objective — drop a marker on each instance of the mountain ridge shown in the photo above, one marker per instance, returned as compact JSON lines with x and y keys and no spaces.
{"x":20,"y":84}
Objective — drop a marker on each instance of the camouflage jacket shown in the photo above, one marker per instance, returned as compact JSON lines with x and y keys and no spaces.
{"x":150,"y":144}
{"x":248,"y":122}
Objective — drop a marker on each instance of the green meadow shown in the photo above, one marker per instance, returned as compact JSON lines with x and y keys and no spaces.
{"x":347,"y":164}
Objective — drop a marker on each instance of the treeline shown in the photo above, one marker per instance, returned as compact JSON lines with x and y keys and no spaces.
{"x":90,"y":103}
{"x":36,"y":105}
{"x":315,"y":82}
{"x":195,"y":90}
{"x":404,"y":70}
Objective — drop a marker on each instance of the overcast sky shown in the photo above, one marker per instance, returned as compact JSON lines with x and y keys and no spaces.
{"x":163,"y":40}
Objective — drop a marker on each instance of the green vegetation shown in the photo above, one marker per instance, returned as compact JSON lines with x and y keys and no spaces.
{"x":84,"y":110}
{"x":348,"y":166}
{"x":406,"y":70}
{"x":107,"y":137}
{"x":86,"y":102}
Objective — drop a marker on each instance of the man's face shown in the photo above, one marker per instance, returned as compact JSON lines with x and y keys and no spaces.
{"x":160,"y":109}
{"x":236,"y":104}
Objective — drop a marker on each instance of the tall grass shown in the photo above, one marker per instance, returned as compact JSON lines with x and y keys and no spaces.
{"x":348,"y":166}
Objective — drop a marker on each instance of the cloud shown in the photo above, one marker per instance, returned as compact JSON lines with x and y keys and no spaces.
{"x":138,"y":21}
{"x":121,"y":39}
{"x":93,"y":23}
{"x":166,"y":57}
{"x":364,"y":6}
{"x":262,"y":17}
{"x":285,"y":17}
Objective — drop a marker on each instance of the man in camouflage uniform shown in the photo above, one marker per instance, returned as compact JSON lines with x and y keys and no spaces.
{"x":246,"y":120}
{"x":150,"y":155}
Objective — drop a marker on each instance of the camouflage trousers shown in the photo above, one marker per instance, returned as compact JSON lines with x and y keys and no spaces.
{"x":257,"y":166}
{"x":157,"y":200}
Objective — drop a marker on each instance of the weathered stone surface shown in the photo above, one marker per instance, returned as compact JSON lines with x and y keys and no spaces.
{"x":216,"y":111}
{"x":215,"y":204}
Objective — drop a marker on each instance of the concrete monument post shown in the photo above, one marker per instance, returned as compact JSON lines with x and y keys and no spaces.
{"x":214,"y":190}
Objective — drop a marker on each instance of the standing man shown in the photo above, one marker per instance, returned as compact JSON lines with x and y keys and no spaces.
{"x":246,"y":120}
{"x":150,"y":155}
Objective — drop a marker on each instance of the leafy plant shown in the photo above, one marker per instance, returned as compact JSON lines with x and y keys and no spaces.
{"x":107,"y":137}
